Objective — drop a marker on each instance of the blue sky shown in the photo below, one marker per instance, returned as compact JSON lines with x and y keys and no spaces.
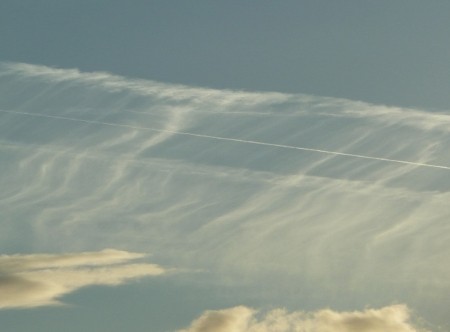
{"x":200,"y":166}
{"x":388,"y":52}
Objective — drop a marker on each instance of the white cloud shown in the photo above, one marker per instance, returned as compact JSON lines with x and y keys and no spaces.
{"x":235,"y":319}
{"x":395,"y":318}
{"x":238,"y":102}
{"x":115,"y":83}
{"x":41,"y":279}
{"x":251,"y":214}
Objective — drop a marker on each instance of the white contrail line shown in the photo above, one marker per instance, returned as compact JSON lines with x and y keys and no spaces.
{"x":229,"y":139}
{"x":267,"y":114}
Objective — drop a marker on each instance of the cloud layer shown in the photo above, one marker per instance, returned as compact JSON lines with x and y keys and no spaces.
{"x":395,"y":318}
{"x":41,"y":279}
{"x":253,"y":194}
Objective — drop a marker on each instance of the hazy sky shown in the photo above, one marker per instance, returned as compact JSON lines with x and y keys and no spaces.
{"x":234,"y":166}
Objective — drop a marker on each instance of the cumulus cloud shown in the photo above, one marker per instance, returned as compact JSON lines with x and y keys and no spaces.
{"x":41,"y":279}
{"x":395,"y":318}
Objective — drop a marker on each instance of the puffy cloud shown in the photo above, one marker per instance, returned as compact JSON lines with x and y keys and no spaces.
{"x":395,"y":318}
{"x":235,"y":319}
{"x":40,"y":279}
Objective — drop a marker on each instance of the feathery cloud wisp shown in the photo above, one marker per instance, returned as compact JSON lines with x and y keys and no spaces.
{"x":40,"y":279}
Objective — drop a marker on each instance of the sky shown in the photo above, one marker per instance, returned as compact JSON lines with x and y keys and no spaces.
{"x":238,"y":166}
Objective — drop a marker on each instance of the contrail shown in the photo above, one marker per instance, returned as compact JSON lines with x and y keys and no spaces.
{"x":229,"y":139}
{"x":267,"y":114}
